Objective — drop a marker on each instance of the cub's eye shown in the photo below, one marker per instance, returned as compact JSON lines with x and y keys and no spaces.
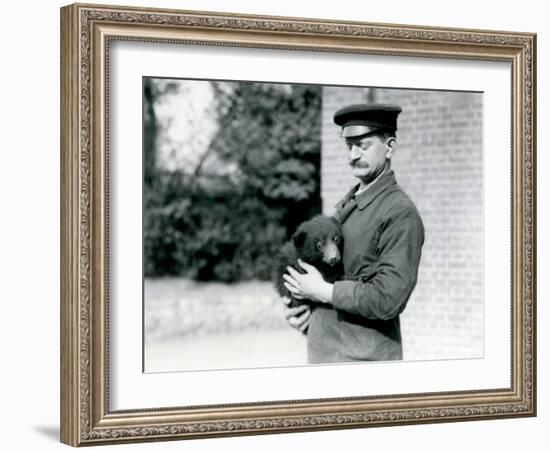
{"x":336,"y":239}
{"x":319,"y":245}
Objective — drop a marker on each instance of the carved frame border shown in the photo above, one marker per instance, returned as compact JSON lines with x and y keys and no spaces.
{"x":86,"y":31}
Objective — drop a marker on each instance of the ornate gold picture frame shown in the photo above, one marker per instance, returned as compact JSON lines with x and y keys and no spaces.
{"x":87,"y":33}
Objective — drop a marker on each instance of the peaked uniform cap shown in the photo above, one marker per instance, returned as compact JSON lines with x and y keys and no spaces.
{"x":364,"y":118}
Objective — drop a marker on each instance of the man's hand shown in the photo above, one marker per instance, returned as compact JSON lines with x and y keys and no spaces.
{"x":309,"y":285}
{"x":298,"y":316}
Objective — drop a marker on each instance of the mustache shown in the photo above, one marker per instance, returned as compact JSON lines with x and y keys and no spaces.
{"x":359,"y":165}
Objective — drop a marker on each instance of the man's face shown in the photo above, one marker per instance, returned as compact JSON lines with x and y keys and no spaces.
{"x":369,"y":155}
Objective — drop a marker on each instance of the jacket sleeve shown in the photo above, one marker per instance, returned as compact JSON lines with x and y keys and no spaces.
{"x":382,"y":291}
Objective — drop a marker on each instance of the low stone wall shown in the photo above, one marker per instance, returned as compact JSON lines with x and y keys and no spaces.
{"x":180,"y":307}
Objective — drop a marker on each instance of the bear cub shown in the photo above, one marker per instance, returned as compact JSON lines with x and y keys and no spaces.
{"x":318,"y":242}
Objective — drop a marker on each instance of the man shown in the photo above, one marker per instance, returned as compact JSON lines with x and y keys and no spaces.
{"x":357,"y":319}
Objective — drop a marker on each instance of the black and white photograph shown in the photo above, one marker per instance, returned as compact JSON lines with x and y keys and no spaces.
{"x":296,"y":224}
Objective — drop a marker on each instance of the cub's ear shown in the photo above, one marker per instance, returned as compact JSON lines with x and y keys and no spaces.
{"x":299,"y":238}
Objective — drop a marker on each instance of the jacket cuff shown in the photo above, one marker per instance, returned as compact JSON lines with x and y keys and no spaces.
{"x":343,"y":297}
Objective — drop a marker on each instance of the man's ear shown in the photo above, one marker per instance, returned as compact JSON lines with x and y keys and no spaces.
{"x":391,"y":145}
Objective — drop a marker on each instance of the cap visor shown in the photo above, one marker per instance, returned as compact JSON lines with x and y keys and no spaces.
{"x":356,"y":130}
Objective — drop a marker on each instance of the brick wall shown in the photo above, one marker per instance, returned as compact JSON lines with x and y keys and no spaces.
{"x":438,"y":162}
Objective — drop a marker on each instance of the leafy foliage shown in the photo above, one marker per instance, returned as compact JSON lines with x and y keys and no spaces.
{"x":256,"y":182}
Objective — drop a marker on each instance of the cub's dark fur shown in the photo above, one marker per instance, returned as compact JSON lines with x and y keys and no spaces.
{"x":317,"y":242}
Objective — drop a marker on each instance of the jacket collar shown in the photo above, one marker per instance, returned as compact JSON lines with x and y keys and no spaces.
{"x":364,"y":198}
{"x":349,"y":196}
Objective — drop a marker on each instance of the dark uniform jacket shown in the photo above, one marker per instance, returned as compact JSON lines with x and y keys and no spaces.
{"x":383,"y":237}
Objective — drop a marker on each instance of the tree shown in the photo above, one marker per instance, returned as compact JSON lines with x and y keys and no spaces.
{"x":259,"y":178}
{"x":153,"y":93}
{"x":272,"y":133}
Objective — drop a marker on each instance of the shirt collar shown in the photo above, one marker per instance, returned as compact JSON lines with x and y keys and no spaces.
{"x":361,"y":189}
